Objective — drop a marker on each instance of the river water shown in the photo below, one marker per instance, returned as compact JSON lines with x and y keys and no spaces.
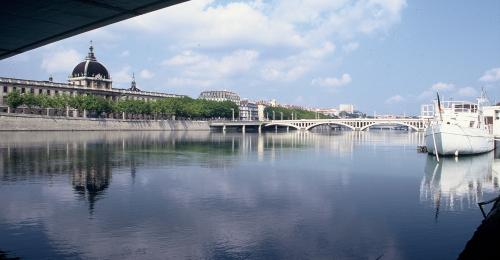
{"x":192,"y":195}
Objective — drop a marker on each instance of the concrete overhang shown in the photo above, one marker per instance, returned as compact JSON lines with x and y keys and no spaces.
{"x":28,"y":24}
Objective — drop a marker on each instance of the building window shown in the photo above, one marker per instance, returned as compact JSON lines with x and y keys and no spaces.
{"x":48,"y":91}
{"x":32,"y":90}
{"x":23,"y":90}
{"x":14,"y":89}
{"x":57,"y":92}
{"x":40,"y":91}
{"x":5,"y":89}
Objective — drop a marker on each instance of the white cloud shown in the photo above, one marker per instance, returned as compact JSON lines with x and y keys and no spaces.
{"x":350,"y":47}
{"x":300,"y":33}
{"x":60,"y":61}
{"x":123,"y":75}
{"x":332,"y":82}
{"x":491,"y":75}
{"x":125,"y":53}
{"x":468,"y":92}
{"x":217,"y":25}
{"x":188,"y":82}
{"x":195,"y":65}
{"x":440,"y":86}
{"x":450,"y":90}
{"x":394,"y":99}
{"x":185,"y":58}
{"x":431,"y":92}
{"x":283,"y":71}
{"x":295,"y":66}
{"x":282,"y":24}
{"x":240,"y":44}
{"x":426,"y":94}
{"x":146,"y":74}
{"x":360,"y":17}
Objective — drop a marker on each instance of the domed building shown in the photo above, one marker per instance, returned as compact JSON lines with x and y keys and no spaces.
{"x":90,"y":73}
{"x":89,"y":77}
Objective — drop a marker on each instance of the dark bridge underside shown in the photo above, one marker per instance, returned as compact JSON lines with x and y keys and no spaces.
{"x":28,"y":24}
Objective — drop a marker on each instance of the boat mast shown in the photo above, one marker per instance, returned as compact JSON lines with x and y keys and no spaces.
{"x":439,"y":107}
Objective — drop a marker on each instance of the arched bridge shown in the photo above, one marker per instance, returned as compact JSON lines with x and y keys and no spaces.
{"x":355,"y":124}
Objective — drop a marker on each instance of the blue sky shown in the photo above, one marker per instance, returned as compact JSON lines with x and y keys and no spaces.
{"x":388,"y":56}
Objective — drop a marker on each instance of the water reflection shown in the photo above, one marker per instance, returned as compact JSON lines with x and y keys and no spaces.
{"x":90,"y":158}
{"x":458,"y":183}
{"x":130,"y":195}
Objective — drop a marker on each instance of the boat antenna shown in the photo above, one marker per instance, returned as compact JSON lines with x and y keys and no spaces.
{"x":439,"y":107}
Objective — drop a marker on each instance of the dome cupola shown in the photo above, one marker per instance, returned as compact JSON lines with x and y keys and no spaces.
{"x":91,"y":73}
{"x":90,"y":67}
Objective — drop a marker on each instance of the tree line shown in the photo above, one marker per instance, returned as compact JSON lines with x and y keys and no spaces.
{"x":297,"y":113}
{"x":96,"y":106}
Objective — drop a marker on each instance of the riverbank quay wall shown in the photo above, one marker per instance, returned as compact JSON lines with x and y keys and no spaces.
{"x":25,"y":122}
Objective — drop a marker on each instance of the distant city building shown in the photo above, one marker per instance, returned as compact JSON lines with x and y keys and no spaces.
{"x":88,"y":77}
{"x":294,"y":107}
{"x":220,"y":95}
{"x":260,"y":108}
{"x":346,"y":108}
{"x":248,"y":110}
{"x":328,"y":111}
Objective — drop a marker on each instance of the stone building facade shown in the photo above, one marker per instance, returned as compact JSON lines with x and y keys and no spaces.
{"x":248,"y":110}
{"x":220,"y":95}
{"x":88,"y":77}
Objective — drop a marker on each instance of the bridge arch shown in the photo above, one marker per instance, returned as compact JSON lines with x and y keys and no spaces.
{"x":330,"y":123}
{"x":388,"y":123}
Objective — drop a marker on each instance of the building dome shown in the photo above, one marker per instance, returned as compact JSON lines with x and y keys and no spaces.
{"x":90,"y":67}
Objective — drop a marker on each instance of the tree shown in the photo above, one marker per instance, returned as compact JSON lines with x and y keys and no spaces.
{"x":30,"y":100}
{"x":184,"y":107}
{"x":14,"y":99}
{"x":297,"y":113}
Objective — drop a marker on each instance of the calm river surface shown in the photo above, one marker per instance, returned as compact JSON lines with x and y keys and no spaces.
{"x":298,"y":195}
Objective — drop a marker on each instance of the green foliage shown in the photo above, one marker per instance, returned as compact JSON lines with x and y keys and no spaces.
{"x":30,"y":100}
{"x":14,"y":99}
{"x":183,"y":107}
{"x":297,"y":113}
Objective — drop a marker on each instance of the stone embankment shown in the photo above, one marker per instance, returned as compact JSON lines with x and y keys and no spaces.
{"x":26,"y":122}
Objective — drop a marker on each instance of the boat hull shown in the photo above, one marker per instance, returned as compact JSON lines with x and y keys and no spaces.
{"x":457,"y":140}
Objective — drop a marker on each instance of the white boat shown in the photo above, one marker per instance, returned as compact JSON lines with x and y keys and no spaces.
{"x":459,"y":128}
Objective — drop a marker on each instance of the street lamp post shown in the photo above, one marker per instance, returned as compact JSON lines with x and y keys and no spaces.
{"x":281,"y":115}
{"x":292,"y":115}
{"x":267,"y":116}
{"x":273,"y":115}
{"x":232,"y":110}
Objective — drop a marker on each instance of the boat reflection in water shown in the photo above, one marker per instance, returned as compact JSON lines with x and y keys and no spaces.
{"x":458,"y":183}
